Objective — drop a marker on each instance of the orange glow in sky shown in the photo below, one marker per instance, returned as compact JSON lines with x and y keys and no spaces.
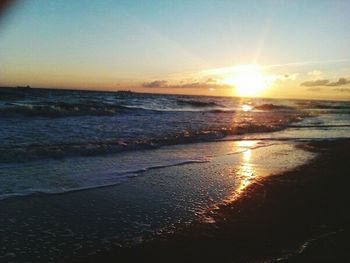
{"x":248,"y":80}
{"x":180,"y":47}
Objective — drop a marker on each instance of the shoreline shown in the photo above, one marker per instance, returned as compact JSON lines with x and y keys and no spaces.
{"x":299,"y":215}
{"x":62,"y":227}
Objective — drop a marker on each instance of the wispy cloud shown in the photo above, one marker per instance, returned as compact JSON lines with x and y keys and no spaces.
{"x":155,"y":84}
{"x":325,"y":82}
{"x":342,"y":90}
{"x":210,"y":83}
{"x":313,"y":83}
{"x":340,"y":82}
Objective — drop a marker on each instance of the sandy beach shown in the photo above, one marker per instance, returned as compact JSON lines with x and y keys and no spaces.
{"x":152,"y":204}
{"x":296,"y":216}
{"x":174,"y":131}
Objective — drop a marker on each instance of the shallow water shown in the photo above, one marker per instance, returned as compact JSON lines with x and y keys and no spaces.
{"x":57,"y":141}
{"x":46,"y":124}
{"x":82,"y":222}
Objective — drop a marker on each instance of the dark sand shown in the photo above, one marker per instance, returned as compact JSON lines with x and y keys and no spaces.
{"x":298,"y":216}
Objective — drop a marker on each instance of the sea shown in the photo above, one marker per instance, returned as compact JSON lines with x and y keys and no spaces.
{"x":84,"y":172}
{"x":55,"y":141}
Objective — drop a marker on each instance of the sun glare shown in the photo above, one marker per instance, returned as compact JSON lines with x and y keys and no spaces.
{"x":248,"y":80}
{"x":246,"y":107}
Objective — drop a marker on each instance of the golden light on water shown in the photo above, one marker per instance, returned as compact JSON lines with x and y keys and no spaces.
{"x":246,"y":173}
{"x":248,"y":80}
{"x":246,"y":107}
{"x":246,"y":170}
{"x":245,"y":144}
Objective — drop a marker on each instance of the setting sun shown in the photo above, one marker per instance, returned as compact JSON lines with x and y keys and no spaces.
{"x":219,"y":128}
{"x":248,"y":80}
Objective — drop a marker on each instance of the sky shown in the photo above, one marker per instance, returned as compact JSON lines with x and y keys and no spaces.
{"x":291,"y":49}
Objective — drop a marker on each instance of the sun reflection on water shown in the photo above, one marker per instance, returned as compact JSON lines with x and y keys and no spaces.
{"x":246,"y":107}
{"x":243,"y":175}
{"x":246,"y":171}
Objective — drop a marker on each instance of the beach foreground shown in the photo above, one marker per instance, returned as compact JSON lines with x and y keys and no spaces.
{"x":296,"y":216}
{"x":109,"y":176}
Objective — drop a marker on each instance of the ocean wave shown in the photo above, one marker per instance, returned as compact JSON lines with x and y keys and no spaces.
{"x":222,"y":111}
{"x":185,"y":109}
{"x":325,"y":106}
{"x":198,"y":103}
{"x":331,"y":107}
{"x":19,"y":153}
{"x":270,"y":107}
{"x":61,"y":109}
{"x":105,"y":180}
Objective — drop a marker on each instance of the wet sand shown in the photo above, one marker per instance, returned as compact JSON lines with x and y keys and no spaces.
{"x":297,"y":216}
{"x":58,"y":227}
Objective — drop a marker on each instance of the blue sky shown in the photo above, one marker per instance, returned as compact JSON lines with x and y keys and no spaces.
{"x":110,"y":44}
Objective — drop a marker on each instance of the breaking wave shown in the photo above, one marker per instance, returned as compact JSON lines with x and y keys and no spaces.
{"x":105,"y":180}
{"x":60,"y":109}
{"x":198,"y":103}
{"x":325,"y":106}
{"x":268,"y":107}
{"x":19,"y":153}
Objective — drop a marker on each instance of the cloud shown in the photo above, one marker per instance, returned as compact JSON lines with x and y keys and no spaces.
{"x":340,"y":82}
{"x":210,"y":84}
{"x":342,"y":90}
{"x":326,"y":82}
{"x":288,"y":76}
{"x":195,"y":85}
{"x":155,"y":84}
{"x":314,"y":83}
{"x":211,"y":80}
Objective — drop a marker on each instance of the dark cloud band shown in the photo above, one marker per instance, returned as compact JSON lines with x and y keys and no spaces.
{"x":326,"y":82}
